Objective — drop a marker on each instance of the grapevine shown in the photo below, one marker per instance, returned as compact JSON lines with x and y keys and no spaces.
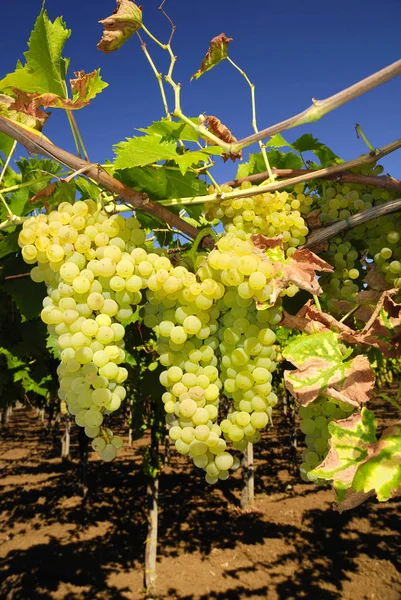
{"x":219,"y":305}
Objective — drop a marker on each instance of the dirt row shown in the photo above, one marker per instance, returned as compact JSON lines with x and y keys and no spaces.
{"x":55,"y":545}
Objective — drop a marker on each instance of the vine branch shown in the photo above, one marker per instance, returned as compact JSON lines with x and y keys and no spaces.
{"x":383,"y":182}
{"x":37,"y":145}
{"x":364,"y":159}
{"x":325,"y":233}
{"x":320,"y":108}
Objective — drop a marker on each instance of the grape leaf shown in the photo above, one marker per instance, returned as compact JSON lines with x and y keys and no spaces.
{"x":382,"y":472}
{"x":358,"y":465}
{"x":87,"y":189}
{"x":309,"y":143}
{"x":27,"y":295}
{"x":162,"y":184}
{"x":322,"y":368}
{"x":34,"y":120}
{"x":350,"y":440}
{"x":300,"y":268}
{"x":18,"y":202}
{"x":175,"y":129}
{"x":187,"y":159}
{"x":277,"y":141}
{"x":9,"y":244}
{"x":120,"y":25}
{"x":145,"y":150}
{"x":277,"y":159}
{"x":45,"y":69}
{"x":85,"y":87}
{"x":217,"y":52}
{"x":382,"y":329}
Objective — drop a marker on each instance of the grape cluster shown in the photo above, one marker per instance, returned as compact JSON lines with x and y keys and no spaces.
{"x":376,"y":240}
{"x":90,"y":264}
{"x":271,"y":214}
{"x":315,"y":419}
{"x":248,"y":360}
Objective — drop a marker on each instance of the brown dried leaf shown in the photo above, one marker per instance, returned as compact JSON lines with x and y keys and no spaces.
{"x":358,"y":385}
{"x":216,"y":127}
{"x":375,"y":279}
{"x":383,"y":330}
{"x":353,"y":385}
{"x":45,"y":193}
{"x":313,"y":219}
{"x":299,"y":269}
{"x":300,"y":323}
{"x":217,"y":52}
{"x":19,"y":112}
{"x":125,"y":20}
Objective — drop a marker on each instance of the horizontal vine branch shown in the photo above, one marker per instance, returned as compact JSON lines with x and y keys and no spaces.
{"x":36,"y":144}
{"x":383,"y":182}
{"x":364,"y":159}
{"x":325,"y":233}
{"x":319,"y":108}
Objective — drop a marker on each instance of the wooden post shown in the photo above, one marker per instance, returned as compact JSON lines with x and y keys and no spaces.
{"x":248,"y":478}
{"x":83,"y":454}
{"x":65,"y":440}
{"x":152,"y":493}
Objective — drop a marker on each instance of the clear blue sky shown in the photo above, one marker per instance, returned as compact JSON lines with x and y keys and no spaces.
{"x":291,"y":50}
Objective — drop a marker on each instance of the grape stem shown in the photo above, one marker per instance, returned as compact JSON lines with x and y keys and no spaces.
{"x":360,"y":134}
{"x":158,"y":76}
{"x":254,"y":125}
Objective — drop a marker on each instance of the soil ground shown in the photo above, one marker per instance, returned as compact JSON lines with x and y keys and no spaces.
{"x":56,"y":545}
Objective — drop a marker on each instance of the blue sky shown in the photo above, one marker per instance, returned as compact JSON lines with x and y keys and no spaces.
{"x":291,"y":50}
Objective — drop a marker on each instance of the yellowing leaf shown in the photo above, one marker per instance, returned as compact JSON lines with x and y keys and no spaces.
{"x":323,"y":369}
{"x":120,"y":25}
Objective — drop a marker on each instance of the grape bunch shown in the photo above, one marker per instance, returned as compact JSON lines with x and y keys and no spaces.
{"x":376,"y":240}
{"x":315,"y":419}
{"x":271,"y":214}
{"x":247,"y":364}
{"x":89,"y":263}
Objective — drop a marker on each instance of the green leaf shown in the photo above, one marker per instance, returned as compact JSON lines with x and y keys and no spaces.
{"x":217,"y":52}
{"x":163,"y":183}
{"x":45,"y":68}
{"x":309,"y":143}
{"x":277,"y":141}
{"x":188,"y":159}
{"x":87,"y":189}
{"x":6,"y":143}
{"x":9,"y":244}
{"x":278,"y":159}
{"x":18,"y":202}
{"x":284,"y":160}
{"x":52,"y":346}
{"x":141,"y":151}
{"x":27,"y":295}
{"x":174,"y":129}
